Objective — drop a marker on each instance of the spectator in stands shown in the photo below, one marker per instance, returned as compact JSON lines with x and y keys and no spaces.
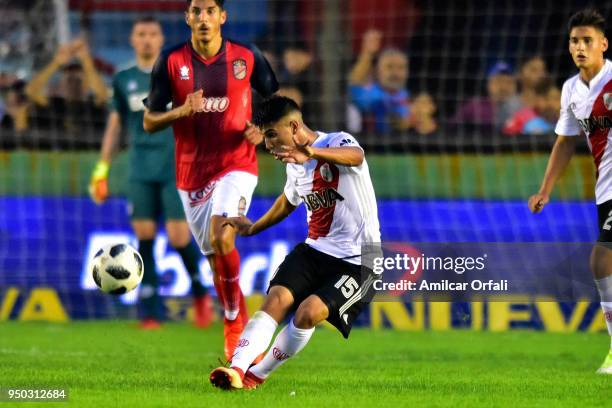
{"x":297,"y":76}
{"x":542,"y":116}
{"x":532,"y":71}
{"x":75,"y":110}
{"x":14,"y":115}
{"x":382,"y":96}
{"x":500,"y":104}
{"x":292,"y":92}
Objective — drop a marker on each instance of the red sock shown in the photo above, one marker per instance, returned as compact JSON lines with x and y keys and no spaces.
{"x":228,"y":268}
{"x":244,"y":313}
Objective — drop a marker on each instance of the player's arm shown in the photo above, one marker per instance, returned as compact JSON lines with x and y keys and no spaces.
{"x":350,"y":156}
{"x":278,"y":212}
{"x":156,"y":117}
{"x":155,"y":121}
{"x":264,"y":81}
{"x":35,"y":90}
{"x":98,"y":184}
{"x":567,"y":129}
{"x":561,"y":154}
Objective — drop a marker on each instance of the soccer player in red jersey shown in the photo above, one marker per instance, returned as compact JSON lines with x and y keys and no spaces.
{"x":208,"y":82}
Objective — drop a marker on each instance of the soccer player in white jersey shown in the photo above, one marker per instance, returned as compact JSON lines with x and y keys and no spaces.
{"x":321,"y":279}
{"x":586,"y":107}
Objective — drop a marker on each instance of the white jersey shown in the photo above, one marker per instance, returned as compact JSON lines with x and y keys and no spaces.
{"x":340,"y":201}
{"x":589,"y":109}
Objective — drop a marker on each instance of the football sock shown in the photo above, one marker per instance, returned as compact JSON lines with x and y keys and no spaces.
{"x":604,"y":287}
{"x":228,"y":269}
{"x":190,"y":255}
{"x":288,"y":343}
{"x":254,"y":340}
{"x":149,"y":299}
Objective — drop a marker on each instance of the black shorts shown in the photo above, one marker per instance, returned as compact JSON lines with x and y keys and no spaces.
{"x":604,"y":216}
{"x":344,"y":287}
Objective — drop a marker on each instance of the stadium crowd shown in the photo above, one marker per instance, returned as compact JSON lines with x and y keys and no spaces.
{"x":63,"y":103}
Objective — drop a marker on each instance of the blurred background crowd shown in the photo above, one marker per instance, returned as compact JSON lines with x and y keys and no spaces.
{"x":399,"y":74}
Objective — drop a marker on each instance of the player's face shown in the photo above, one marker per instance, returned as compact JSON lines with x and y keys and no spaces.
{"x":587,"y":46}
{"x":392,"y":71}
{"x":147,"y":39}
{"x":205,"y":19}
{"x":280,"y":134}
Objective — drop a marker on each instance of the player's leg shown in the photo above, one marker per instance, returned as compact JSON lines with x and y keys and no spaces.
{"x":231,"y":197}
{"x":254,"y":340}
{"x":292,"y":282}
{"x":143,"y":207}
{"x":180,"y":239}
{"x":344,"y":292}
{"x":601,"y":266}
{"x":292,"y":338}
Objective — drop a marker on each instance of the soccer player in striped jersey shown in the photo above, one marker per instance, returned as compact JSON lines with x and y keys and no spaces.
{"x":586,"y":107}
{"x":321,"y":279}
{"x":208,"y":80}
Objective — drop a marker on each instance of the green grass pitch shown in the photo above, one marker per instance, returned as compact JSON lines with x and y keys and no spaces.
{"x":108,"y":364}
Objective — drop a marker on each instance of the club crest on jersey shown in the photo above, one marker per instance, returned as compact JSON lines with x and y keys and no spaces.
{"x":326,"y":173}
{"x":607,"y":99}
{"x":240,"y":68}
{"x":184,"y":73}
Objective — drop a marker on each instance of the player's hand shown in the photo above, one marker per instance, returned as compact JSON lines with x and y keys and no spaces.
{"x":242,"y":224}
{"x":537,"y":202}
{"x":194,"y":103}
{"x":98,"y":184}
{"x":253,"y":134}
{"x":372,"y":40}
{"x":298,"y":154}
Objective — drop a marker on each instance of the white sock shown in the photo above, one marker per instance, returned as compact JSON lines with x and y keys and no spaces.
{"x":254,"y":340}
{"x":288,"y":343}
{"x":604,"y":287}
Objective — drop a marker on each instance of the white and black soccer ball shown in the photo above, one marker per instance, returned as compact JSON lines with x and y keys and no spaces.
{"x":117,"y":268}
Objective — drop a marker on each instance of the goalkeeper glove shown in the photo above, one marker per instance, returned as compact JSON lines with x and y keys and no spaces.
{"x":98,"y":184}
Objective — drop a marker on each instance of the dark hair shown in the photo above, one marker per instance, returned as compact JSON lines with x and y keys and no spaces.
{"x":145,"y":20}
{"x":587,"y":18}
{"x":543,"y":86}
{"x":273,"y":109}
{"x":219,"y":3}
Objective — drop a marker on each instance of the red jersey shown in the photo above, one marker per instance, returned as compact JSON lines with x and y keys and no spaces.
{"x":210,"y":144}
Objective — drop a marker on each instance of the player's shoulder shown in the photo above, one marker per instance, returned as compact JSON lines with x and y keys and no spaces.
{"x":570,"y":83}
{"x":335,"y":139}
{"x":168,"y":51}
{"x":242,"y":46}
{"x":127,"y":73}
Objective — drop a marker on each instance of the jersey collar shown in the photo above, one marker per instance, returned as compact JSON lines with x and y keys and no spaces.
{"x":211,"y":60}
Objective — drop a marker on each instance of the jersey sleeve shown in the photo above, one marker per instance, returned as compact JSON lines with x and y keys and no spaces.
{"x":343,"y":139}
{"x":263,"y":79}
{"x":567,"y":125}
{"x":160,"y":92}
{"x":291,"y":192}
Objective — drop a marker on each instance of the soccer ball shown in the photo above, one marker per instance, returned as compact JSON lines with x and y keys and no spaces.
{"x":117,"y":269}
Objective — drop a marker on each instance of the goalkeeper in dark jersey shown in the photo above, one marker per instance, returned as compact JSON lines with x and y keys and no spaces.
{"x":151,"y":190}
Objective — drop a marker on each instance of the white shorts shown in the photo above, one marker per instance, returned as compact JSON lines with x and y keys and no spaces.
{"x":228,"y":196}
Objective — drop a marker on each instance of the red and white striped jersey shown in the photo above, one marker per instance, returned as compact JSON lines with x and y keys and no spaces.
{"x":340,"y":201}
{"x":588,"y":108}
